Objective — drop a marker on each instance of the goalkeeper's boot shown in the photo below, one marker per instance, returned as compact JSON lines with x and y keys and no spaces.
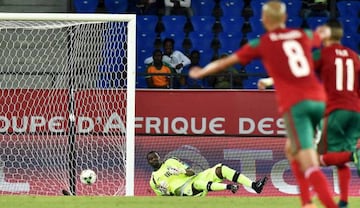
{"x":234,"y":188}
{"x":357,"y":160}
{"x":259,"y":185}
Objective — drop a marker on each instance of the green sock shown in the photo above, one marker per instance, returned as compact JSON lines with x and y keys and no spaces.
{"x":229,"y":173}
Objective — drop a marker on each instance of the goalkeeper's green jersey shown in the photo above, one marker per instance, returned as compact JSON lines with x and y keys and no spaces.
{"x":169,"y":177}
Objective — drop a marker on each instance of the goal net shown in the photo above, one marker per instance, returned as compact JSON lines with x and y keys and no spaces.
{"x":67,"y":103}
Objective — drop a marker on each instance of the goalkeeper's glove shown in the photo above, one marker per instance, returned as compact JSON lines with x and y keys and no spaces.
{"x":176,"y":171}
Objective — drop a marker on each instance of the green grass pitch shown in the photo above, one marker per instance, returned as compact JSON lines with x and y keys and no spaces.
{"x":153,"y":202}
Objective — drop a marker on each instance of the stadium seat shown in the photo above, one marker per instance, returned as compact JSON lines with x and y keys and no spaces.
{"x":256,"y":6}
{"x":174,"y":23}
{"x":205,"y":57}
{"x":231,"y":8}
{"x":202,"y":7}
{"x":232,"y":25}
{"x":250,"y":82}
{"x":294,"y":22}
{"x":201,"y":41}
{"x":348,"y":8}
{"x":85,"y":6}
{"x":352,"y":41}
{"x":257,"y":28}
{"x":255,"y":67}
{"x":293,"y":7}
{"x":229,"y":43}
{"x":144,"y":49}
{"x":350,"y":25}
{"x":202,"y":23}
{"x":146,"y":23}
{"x":313,"y":22}
{"x":116,"y":6}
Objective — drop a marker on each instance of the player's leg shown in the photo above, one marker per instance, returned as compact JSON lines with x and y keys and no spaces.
{"x":208,"y":181}
{"x":336,"y":148}
{"x":301,"y":121}
{"x":225,"y":172}
{"x":353,"y":131}
{"x":303,"y":184}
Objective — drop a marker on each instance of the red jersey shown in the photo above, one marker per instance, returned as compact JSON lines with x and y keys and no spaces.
{"x":286,"y":55}
{"x":339,"y":69}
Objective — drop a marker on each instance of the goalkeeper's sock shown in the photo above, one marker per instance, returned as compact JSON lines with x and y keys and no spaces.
{"x":344,"y":175}
{"x":235,"y":176}
{"x":303,"y":184}
{"x":321,"y":186}
{"x":209,"y":186}
{"x":336,"y":158}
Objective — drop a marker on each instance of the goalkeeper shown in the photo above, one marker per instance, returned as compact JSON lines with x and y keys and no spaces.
{"x":173,"y":177}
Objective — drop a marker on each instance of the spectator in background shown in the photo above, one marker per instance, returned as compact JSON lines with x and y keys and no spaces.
{"x":195,"y":61}
{"x":149,"y":7}
{"x":227,"y":79}
{"x":158,"y":67}
{"x":175,"y":59}
{"x":178,"y":7}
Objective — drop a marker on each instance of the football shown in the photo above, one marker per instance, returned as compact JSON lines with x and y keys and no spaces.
{"x":88,"y":177}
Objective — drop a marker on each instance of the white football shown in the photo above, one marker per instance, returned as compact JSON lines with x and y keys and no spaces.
{"x":88,"y":177}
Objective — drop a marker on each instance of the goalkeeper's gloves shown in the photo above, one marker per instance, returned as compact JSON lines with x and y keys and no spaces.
{"x":176,"y":171}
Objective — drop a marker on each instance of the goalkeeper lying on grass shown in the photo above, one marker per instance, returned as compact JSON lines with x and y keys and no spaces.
{"x":173,"y":177}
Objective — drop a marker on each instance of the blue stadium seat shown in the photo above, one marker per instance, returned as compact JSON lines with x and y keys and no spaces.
{"x":313,"y":22}
{"x":202,"y":7}
{"x":250,"y":82}
{"x":352,"y":41}
{"x":231,"y":8}
{"x":201,"y":41}
{"x":141,"y":81}
{"x":257,"y":28}
{"x":294,"y":22}
{"x":205,"y":57}
{"x":232,"y":25}
{"x":350,"y":25}
{"x":177,"y":36}
{"x":144,"y":49}
{"x":116,"y":6}
{"x":255,"y":67}
{"x":293,"y":7}
{"x":348,"y":8}
{"x":229,"y":43}
{"x":85,"y":6}
{"x":174,"y":23}
{"x":256,"y":6}
{"x":202,"y":23}
{"x":146,"y":23}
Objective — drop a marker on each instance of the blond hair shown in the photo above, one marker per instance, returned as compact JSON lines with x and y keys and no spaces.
{"x":275,"y":11}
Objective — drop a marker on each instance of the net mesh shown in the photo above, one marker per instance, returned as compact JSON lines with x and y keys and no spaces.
{"x":63,"y":106}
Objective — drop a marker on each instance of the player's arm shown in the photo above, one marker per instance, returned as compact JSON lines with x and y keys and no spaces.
{"x":213,"y":67}
{"x":179,"y":167}
{"x":154,"y":188}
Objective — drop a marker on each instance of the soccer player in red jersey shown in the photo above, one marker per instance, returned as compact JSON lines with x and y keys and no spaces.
{"x":286,"y":55}
{"x":339,"y":69}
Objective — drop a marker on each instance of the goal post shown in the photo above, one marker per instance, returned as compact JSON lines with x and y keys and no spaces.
{"x":67,"y":84}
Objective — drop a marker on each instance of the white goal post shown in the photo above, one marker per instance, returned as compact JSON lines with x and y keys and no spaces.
{"x":67,"y":88}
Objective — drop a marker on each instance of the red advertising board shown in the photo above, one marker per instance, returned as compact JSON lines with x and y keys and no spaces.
{"x":159,"y":112}
{"x":213,"y":112}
